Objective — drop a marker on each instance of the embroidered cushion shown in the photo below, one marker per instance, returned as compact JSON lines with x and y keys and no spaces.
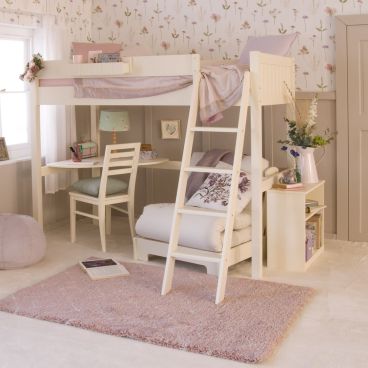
{"x":274,"y":44}
{"x":91,"y":186}
{"x":214,"y":192}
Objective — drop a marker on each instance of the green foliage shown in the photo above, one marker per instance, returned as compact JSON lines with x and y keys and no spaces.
{"x":303,"y":136}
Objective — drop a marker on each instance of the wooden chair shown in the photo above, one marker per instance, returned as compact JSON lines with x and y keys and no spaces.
{"x":120,"y":159}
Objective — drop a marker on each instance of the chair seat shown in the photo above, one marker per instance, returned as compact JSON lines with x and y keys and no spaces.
{"x":91,"y":186}
{"x":111,"y":199}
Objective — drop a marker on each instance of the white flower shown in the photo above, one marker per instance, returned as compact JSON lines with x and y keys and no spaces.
{"x":312,"y":113}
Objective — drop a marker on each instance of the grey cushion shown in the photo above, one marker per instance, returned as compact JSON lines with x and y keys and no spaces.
{"x":91,"y":186}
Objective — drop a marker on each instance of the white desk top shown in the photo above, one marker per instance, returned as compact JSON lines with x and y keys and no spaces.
{"x":96,"y":162}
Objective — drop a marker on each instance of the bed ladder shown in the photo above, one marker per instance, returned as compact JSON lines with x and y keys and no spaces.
{"x":189,"y":254}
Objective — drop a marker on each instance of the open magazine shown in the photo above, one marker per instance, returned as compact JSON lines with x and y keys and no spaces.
{"x":103,"y":268}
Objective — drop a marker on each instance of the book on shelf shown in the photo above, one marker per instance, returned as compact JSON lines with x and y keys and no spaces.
{"x":310,"y":239}
{"x":98,"y":269}
{"x":310,"y":204}
{"x":287,"y":186}
{"x":313,"y":228}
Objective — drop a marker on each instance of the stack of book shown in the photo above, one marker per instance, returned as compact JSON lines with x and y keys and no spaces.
{"x":287,"y":186}
{"x":310,"y":241}
{"x":313,"y":235}
{"x":310,"y":204}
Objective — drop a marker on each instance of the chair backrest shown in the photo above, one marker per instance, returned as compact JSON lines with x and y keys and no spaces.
{"x":120,"y":159}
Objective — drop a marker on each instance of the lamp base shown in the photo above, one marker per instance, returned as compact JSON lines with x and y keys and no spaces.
{"x":114,"y":137}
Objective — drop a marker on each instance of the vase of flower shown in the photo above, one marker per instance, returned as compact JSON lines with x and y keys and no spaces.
{"x":302,"y":141}
{"x":306,"y":164}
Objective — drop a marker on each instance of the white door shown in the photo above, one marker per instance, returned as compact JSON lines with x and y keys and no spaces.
{"x":357,"y":41}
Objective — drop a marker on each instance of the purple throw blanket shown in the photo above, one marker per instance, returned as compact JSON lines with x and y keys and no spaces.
{"x":210,"y":159}
{"x":220,"y":87}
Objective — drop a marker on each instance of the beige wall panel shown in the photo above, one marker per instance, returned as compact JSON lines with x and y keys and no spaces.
{"x":16,"y":193}
{"x":155,"y":186}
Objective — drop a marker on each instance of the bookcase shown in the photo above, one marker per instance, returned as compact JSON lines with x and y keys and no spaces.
{"x":287,"y":227}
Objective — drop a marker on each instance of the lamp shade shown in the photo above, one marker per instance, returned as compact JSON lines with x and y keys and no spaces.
{"x":114,"y":121}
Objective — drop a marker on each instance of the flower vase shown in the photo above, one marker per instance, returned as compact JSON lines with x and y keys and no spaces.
{"x":306,"y":164}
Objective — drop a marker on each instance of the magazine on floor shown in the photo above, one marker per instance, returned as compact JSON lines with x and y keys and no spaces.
{"x":103,"y":268}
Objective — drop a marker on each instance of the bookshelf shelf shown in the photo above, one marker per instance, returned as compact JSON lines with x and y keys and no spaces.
{"x":313,"y":212}
{"x":286,"y":227}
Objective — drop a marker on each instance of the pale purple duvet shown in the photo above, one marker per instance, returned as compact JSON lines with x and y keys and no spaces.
{"x":220,"y":87}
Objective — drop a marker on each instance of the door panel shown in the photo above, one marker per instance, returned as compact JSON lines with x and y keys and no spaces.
{"x":357,"y":37}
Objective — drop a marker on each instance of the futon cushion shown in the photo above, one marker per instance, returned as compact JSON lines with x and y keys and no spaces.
{"x":273,"y":44}
{"x":91,"y":186}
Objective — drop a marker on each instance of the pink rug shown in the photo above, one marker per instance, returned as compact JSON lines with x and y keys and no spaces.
{"x":246,"y":327}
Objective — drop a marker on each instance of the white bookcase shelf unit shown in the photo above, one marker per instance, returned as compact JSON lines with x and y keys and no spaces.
{"x":286,"y":226}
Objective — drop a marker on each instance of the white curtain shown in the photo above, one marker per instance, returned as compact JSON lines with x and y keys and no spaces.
{"x":58,"y":129}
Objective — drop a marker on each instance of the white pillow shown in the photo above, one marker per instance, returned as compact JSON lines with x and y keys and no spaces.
{"x":214,"y":192}
{"x":246,"y":163}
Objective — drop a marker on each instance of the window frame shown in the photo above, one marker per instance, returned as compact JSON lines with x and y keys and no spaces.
{"x":10,"y":32}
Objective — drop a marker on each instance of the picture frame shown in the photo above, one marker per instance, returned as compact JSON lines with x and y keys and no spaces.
{"x":4,"y":155}
{"x":170,"y":129}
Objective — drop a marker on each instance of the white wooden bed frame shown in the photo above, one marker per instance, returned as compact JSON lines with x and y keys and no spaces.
{"x":268,"y":74}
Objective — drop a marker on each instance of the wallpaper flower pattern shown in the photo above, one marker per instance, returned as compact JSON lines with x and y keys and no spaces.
{"x":218,"y":29}
{"x":74,"y":14}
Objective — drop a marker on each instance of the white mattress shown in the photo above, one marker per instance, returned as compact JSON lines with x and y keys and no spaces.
{"x":200,"y":232}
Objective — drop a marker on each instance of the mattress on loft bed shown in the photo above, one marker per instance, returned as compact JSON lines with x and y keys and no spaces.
{"x":200,"y":232}
{"x":220,"y":87}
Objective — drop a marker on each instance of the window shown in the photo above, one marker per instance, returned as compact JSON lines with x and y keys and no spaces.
{"x":15,"y":45}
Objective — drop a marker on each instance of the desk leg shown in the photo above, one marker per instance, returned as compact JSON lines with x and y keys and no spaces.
{"x":108,"y":220}
{"x":36,"y":158}
{"x":95,"y":172}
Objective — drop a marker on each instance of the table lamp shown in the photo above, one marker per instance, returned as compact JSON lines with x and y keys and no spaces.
{"x":114,"y":121}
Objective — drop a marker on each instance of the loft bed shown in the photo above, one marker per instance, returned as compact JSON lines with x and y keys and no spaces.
{"x":268,"y":76}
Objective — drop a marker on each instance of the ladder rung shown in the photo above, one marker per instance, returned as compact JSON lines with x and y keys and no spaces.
{"x":215,"y":130}
{"x":205,"y":169}
{"x":188,"y":210}
{"x":191,"y":254}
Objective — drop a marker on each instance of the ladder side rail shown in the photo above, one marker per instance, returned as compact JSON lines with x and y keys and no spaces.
{"x":256,"y":158}
{"x":182,"y":184}
{"x":231,"y":210}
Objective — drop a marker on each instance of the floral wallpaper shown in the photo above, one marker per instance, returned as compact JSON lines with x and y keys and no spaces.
{"x":74,"y":14}
{"x":218,"y":29}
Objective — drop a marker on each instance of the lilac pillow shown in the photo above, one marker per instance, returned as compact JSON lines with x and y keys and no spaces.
{"x":82,"y":48}
{"x":275,"y":44}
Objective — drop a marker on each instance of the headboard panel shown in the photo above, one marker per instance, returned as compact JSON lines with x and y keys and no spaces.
{"x":271,"y":75}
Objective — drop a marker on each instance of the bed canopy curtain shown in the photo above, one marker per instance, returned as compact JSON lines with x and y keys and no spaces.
{"x":58,"y":130}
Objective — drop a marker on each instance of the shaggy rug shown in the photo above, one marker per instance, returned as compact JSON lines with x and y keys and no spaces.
{"x":246,"y":327}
